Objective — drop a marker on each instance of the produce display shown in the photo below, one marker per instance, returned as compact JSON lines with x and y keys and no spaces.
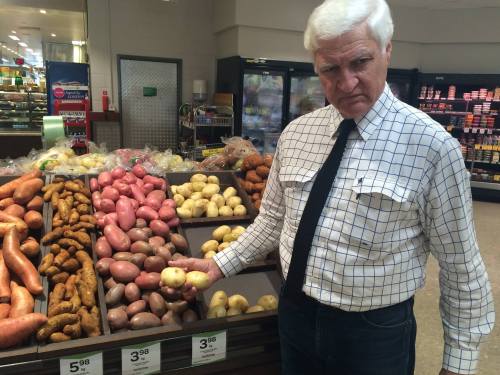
{"x":256,"y":169}
{"x":202,"y":196}
{"x":221,"y":305}
{"x":136,"y":219}
{"x":20,"y":222}
{"x":73,"y":310}
{"x":221,"y":239}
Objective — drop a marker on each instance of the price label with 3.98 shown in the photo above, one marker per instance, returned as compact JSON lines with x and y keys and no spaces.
{"x":141,"y":359}
{"x":208,"y":347}
{"x":82,"y":364}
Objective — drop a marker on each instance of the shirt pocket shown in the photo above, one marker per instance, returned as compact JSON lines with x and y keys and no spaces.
{"x":382,"y":207}
{"x":297,"y":184}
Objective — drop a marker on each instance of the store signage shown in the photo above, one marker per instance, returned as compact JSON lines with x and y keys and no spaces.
{"x":212,"y":151}
{"x":208,"y":347}
{"x":141,"y":359}
{"x":149,"y":91}
{"x":82,"y":364}
{"x":70,"y":92}
{"x":19,"y":61}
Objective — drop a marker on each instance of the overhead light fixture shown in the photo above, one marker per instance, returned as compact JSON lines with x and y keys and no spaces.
{"x":13,"y":37}
{"x":4,"y":46}
{"x":29,"y":50}
{"x":53,"y":35}
{"x":4,"y":59}
{"x":43,"y":11}
{"x":22,"y":44}
{"x":78,"y":42}
{"x":14,"y":32}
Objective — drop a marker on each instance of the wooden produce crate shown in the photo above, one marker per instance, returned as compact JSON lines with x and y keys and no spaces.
{"x":28,"y":351}
{"x":226,"y":179}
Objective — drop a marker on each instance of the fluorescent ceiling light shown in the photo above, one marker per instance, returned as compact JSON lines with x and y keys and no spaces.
{"x":78,"y":42}
{"x":43,"y":11}
{"x":22,"y":44}
{"x":4,"y":59}
{"x":14,"y":32}
{"x":53,"y":35}
{"x":4,"y":46}
{"x":29,"y":50}
{"x":13,"y":37}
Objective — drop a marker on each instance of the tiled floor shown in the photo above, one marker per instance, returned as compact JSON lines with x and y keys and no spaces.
{"x":429,"y":339}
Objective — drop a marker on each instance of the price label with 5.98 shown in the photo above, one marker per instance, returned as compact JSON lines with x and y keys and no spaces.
{"x":82,"y":364}
{"x":141,"y":359}
{"x":208,"y":347}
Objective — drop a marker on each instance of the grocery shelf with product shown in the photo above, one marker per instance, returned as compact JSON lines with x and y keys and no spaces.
{"x":104,"y":294}
{"x":468,"y":107}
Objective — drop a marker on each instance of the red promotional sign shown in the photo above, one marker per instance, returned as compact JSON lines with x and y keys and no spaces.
{"x":58,"y":92}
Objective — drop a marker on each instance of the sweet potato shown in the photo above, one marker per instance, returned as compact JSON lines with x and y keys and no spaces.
{"x":21,"y":301}
{"x":73,"y":330}
{"x":15,"y":330}
{"x":253,"y":177}
{"x":90,"y":322}
{"x":4,"y":310}
{"x":262,"y":171}
{"x":6,"y":202}
{"x":86,"y":295}
{"x":6,"y":190}
{"x":15,"y":210}
{"x":17,"y":262}
{"x":20,"y":225}
{"x":5,"y":292}
{"x":33,"y":219}
{"x":35,"y":204}
{"x":27,"y":190}
{"x":73,"y":186}
{"x":87,"y":272}
{"x":82,"y":237}
{"x":52,"y":236}
{"x":55,"y":324}
{"x":30,"y":247}
{"x":51,"y":191}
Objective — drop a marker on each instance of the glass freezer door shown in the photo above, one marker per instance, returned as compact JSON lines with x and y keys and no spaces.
{"x":306,"y":95}
{"x":262,"y":111}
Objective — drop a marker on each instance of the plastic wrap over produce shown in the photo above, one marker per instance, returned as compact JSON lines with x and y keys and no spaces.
{"x":235,"y":151}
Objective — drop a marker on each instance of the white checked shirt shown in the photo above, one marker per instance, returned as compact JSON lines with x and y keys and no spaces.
{"x":401,"y":192}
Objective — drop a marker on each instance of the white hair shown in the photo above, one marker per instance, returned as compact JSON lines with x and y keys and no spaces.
{"x":336,"y":17}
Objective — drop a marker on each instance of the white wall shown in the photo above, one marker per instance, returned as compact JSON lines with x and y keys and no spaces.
{"x":182,"y":30}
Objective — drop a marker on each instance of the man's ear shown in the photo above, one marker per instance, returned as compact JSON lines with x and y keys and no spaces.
{"x":388,"y":51}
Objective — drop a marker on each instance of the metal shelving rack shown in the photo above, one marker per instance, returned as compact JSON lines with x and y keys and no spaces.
{"x":22,"y":115}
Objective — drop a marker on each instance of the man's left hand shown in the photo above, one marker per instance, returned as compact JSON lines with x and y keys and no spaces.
{"x":447,"y":372}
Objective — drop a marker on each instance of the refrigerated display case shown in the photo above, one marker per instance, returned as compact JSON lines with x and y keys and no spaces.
{"x":268,"y":95}
{"x":403,"y":84}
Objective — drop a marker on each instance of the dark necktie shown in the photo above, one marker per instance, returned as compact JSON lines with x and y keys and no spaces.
{"x":312,"y":212}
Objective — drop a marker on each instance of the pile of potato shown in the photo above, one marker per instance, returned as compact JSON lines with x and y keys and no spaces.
{"x":21,"y":207}
{"x":73,"y":311}
{"x":221,"y":238}
{"x":200,"y":197}
{"x":256,"y":168}
{"x":221,"y":305}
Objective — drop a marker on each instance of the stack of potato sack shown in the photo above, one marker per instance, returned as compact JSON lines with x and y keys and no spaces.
{"x":19,"y":280}
{"x":256,"y":168}
{"x":73,"y":310}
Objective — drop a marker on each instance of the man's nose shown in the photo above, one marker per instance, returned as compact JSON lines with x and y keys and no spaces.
{"x":347,"y":81}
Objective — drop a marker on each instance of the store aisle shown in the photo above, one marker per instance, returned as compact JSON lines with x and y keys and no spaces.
{"x":429,"y":340}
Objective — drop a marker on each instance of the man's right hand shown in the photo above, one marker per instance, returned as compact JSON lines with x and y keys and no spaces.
{"x":194,"y":264}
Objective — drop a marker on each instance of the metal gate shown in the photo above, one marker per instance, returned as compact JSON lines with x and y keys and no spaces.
{"x":150,"y":95}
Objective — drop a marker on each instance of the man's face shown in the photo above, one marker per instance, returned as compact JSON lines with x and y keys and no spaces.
{"x":352,"y":70}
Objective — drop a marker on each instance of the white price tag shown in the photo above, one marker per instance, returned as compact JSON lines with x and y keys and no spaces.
{"x":490,"y":131}
{"x":481,"y":131}
{"x":466,"y":130}
{"x":474,"y":130}
{"x":82,"y":364}
{"x":209,"y":347}
{"x":141,"y":359}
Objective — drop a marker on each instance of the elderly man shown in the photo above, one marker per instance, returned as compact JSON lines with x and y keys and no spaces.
{"x":360,"y":192}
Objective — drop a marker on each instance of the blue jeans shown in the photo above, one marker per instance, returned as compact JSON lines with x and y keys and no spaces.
{"x":318,"y":339}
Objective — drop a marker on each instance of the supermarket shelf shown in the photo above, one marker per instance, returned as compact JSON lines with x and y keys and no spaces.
{"x":447,"y":113}
{"x":485,"y":185}
{"x":458,"y":100}
{"x":10,"y":133}
{"x":482,"y":165}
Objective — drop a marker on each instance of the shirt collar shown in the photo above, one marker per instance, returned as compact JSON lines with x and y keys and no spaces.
{"x":367,"y":124}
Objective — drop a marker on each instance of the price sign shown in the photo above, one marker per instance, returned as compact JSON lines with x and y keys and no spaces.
{"x":209,"y":347}
{"x":466,"y":130}
{"x":141,"y":359}
{"x":82,"y":364}
{"x":474,"y":130}
{"x":481,"y":131}
{"x":490,"y":131}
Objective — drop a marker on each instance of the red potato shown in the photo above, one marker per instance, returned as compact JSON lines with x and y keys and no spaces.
{"x":136,"y":307}
{"x":124,"y":272}
{"x":122,"y":187}
{"x":13,"y":331}
{"x":5,"y":291}
{"x":138,"y":259}
{"x":173,"y":222}
{"x":146,"y":213}
{"x":155,"y":199}
{"x":108,"y":206}
{"x":166,"y":213}
{"x":148,"y":280}
{"x":148,"y":231}
{"x":144,"y":320}
{"x":164,"y":253}
{"x":6,"y":202}
{"x":139,"y":183}
{"x":109,"y":283}
{"x":156,"y":241}
{"x":110,"y":192}
{"x":102,"y":266}
{"x":136,"y":234}
{"x":118,"y":172}
{"x":140,"y":223}
{"x":117,"y":319}
{"x":139,"y":171}
{"x":27,"y":190}
{"x":15,"y":210}
{"x":157,"y":304}
{"x":157,"y":182}
{"x":6,"y":190}
{"x":138,"y":194}
{"x":126,"y":214}
{"x":94,"y":185}
{"x":36,"y":204}
{"x":132,"y":292}
{"x":17,"y":262}
{"x":111,"y":218}
{"x":117,"y":238}
{"x":105,"y":179}
{"x":129,"y":178}
{"x":160,"y":228}
{"x":169,"y":203}
{"x":123,"y":255}
{"x":100,"y":223}
{"x":147,"y":188}
{"x":21,"y":301}
{"x":135,"y":204}
{"x":4,"y":310}
{"x":154,"y":263}
{"x":33,"y":219}
{"x":141,"y":247}
{"x":103,"y":248}
{"x":96,"y":200}
{"x":99,"y":215}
